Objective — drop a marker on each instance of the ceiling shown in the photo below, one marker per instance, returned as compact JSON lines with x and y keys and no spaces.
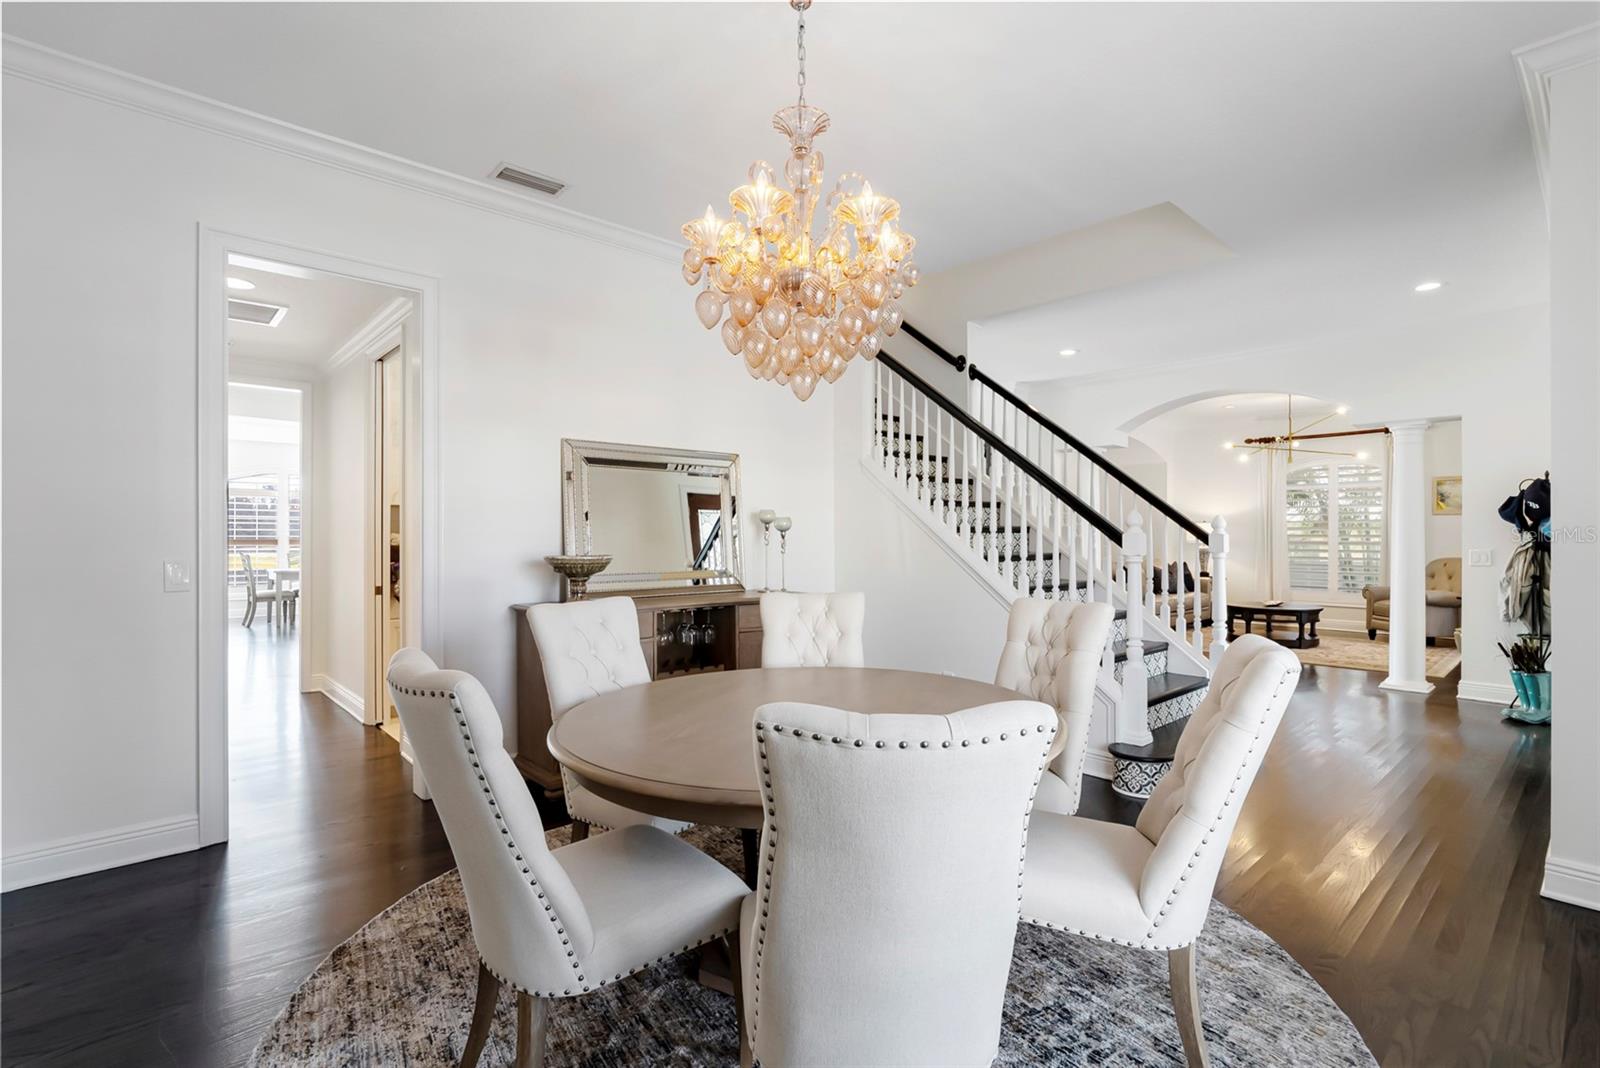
{"x":324,"y":311}
{"x":1341,"y":152}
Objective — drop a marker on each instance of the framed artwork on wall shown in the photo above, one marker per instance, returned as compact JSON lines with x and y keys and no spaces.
{"x":1447,"y":495}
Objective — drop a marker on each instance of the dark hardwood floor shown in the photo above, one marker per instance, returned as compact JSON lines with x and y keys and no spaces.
{"x":1392,"y":844}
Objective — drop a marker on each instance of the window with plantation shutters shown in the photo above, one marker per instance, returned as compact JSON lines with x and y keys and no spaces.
{"x":1306,"y":501}
{"x":264,"y":522}
{"x":1335,"y":524}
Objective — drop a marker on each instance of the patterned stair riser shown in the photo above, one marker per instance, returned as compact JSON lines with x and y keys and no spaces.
{"x":1171,"y":711}
{"x":1133,"y":779}
{"x":1155,"y":663}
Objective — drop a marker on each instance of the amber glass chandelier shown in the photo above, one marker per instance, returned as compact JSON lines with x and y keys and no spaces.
{"x":798,"y":305}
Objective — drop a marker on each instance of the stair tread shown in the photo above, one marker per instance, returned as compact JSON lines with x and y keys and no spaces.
{"x":1162,"y":748}
{"x":1170,"y":684}
{"x":1154,"y":645}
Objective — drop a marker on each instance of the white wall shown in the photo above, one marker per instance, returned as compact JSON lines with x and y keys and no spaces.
{"x":542,"y":334}
{"x":1441,"y":457}
{"x":1491,"y":370}
{"x":1572,"y":871}
{"x":341,"y":599}
{"x":925,"y":612}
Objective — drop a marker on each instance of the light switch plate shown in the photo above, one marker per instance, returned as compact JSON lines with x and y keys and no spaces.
{"x":175,"y":576}
{"x":1480,"y":557}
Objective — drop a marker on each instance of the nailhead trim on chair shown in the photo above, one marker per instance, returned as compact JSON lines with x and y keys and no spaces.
{"x":494,"y":806}
{"x":1148,"y":942}
{"x":772,"y":826}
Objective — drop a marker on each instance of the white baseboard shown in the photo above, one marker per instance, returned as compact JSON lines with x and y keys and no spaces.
{"x":341,"y":695}
{"x":1496,"y":693}
{"x":87,"y":853}
{"x":1571,"y":881}
{"x":1098,"y":762}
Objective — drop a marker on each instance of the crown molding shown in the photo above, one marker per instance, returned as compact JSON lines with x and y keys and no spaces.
{"x":384,"y":322}
{"x":1537,"y":63}
{"x":59,"y":70}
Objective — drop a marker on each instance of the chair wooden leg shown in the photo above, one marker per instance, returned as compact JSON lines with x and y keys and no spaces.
{"x":580,"y":830}
{"x":532,"y":1015}
{"x":1186,"y":1004}
{"x":736,"y":974}
{"x":482,"y":1015}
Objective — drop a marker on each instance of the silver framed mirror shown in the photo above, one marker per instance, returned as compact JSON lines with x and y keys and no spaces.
{"x":668,"y":518}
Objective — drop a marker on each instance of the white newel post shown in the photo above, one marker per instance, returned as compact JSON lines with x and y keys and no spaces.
{"x":1133,"y":718}
{"x":1219,"y":589}
{"x":1408,"y":553}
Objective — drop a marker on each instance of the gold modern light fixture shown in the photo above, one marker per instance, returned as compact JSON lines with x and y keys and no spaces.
{"x":798,"y":307}
{"x":1290,"y":441}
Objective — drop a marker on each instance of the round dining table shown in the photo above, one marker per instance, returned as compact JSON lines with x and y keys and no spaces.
{"x":683,"y":747}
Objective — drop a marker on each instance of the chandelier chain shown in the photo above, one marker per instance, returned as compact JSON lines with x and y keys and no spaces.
{"x":800,"y":52}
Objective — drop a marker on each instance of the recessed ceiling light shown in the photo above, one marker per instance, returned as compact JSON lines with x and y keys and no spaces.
{"x":1068,"y":352}
{"x":239,"y":283}
{"x":1229,"y":407}
{"x":1343,"y":409}
{"x":1429,"y":287}
{"x":1227,"y":444}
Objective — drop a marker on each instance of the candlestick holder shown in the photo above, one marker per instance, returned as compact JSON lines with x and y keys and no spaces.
{"x":766,"y":516}
{"x":784,"y":525}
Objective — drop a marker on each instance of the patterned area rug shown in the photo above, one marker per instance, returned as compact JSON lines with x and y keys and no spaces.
{"x":1337,"y":650}
{"x":399,"y":992}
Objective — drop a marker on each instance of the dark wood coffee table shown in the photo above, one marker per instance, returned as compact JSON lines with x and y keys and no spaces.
{"x":1302,"y":615}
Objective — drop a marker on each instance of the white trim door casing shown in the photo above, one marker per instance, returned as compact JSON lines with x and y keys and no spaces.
{"x":211,"y":427}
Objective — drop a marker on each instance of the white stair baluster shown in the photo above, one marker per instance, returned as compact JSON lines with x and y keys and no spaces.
{"x":1219,"y":589}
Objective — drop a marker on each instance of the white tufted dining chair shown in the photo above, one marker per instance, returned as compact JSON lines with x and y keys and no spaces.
{"x":551,"y":924}
{"x":588,"y":648}
{"x":882,"y":925}
{"x":1149,"y":886}
{"x":1052,"y":654}
{"x":812,"y":629}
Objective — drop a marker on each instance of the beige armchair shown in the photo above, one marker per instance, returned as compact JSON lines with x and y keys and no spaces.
{"x":1444,"y":601}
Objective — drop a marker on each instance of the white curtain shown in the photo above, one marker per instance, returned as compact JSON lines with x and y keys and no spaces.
{"x":1274,"y":535}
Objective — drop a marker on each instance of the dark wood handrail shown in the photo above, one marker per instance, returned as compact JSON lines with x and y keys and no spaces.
{"x":958,"y":362}
{"x":1144,"y":492}
{"x":988,"y":437}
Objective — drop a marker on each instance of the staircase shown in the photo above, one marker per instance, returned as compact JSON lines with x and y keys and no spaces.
{"x":1033,"y":512}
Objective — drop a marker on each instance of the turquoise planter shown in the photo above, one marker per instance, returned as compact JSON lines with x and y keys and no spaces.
{"x":1540,"y":684}
{"x":1533,"y":697}
{"x":1519,"y":682}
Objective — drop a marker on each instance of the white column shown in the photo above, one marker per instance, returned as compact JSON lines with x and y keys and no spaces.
{"x":1408,"y":562}
{"x":1572,"y":867}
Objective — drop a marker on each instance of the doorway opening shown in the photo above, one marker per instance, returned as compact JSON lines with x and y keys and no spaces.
{"x":318,"y":573}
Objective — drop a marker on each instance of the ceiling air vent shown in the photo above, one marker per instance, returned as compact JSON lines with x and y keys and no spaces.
{"x":253,"y":311}
{"x":529,"y":180}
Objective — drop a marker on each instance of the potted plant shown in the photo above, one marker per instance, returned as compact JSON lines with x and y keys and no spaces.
{"x":1530,"y":675}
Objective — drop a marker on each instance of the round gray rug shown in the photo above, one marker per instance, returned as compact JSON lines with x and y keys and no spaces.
{"x":400,"y":991}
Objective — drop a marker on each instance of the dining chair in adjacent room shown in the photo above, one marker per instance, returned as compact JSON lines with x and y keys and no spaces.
{"x":1052,"y":654}
{"x":885,"y":911}
{"x":258,"y":590}
{"x":1149,"y":886}
{"x":549,"y":923}
{"x":812,"y":629}
{"x":587,"y":648}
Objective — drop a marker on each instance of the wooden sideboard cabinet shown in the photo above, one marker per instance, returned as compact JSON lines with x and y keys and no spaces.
{"x":681,"y":632}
